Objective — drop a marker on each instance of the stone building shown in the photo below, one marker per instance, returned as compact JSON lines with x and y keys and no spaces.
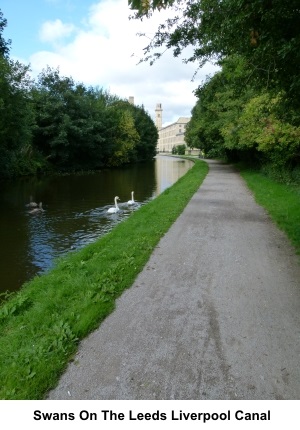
{"x":171,"y":135}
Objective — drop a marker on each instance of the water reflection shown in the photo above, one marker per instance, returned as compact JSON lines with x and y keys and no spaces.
{"x":166,"y":176}
{"x":75,"y":213}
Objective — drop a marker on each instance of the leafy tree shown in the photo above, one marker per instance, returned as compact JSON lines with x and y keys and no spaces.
{"x":144,"y":7}
{"x":16,"y":117}
{"x":264,"y":32}
{"x":4,"y":45}
{"x":233,"y":119}
{"x":72,"y":123}
{"x":52,"y":116}
{"x":16,"y":114}
{"x":148,"y":135}
{"x":275,"y":140}
{"x":125,"y":137}
{"x":179,"y":149}
{"x":145,"y":145}
{"x":203,"y":130}
{"x":194,"y":128}
{"x":220,"y":103}
{"x":86,"y":128}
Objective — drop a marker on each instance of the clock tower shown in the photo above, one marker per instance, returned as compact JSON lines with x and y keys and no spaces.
{"x":158,"y":116}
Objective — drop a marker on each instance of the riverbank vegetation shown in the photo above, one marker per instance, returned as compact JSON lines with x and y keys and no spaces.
{"x":282,"y":202}
{"x":41,"y":325}
{"x":237,"y":121}
{"x":53,"y":124}
{"x":250,"y":109}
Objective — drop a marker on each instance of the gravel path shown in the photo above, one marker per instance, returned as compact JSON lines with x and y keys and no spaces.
{"x":215,"y":314}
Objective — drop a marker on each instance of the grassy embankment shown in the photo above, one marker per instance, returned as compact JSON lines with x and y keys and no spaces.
{"x":281,"y":201}
{"x":41,"y":325}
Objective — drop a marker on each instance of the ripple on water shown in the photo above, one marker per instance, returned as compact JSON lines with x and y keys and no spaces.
{"x":75,"y":213}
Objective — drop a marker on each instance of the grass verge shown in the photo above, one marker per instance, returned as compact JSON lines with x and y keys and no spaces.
{"x":42,"y":324}
{"x":281,"y":201}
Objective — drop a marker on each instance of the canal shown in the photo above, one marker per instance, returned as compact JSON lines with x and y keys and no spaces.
{"x":75,"y":212}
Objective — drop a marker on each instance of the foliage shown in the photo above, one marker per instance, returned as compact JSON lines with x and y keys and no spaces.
{"x":56,"y":124}
{"x":143,"y":7}
{"x":220,"y":100}
{"x":83,"y":128}
{"x":146,"y":146}
{"x":179,"y":149}
{"x":235,"y":120}
{"x":69,"y":122}
{"x":16,"y":115}
{"x":62,"y":125}
{"x":250,"y":110}
{"x":126,"y":138}
{"x":42,"y":324}
{"x":260,"y":128}
{"x":265,"y":33}
{"x":203,"y":131}
{"x":87,"y":128}
{"x":4,"y":45}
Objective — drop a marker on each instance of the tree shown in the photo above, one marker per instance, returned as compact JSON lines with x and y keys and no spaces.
{"x":264,"y":32}
{"x":86,"y":128}
{"x":125,"y":137}
{"x":4,"y":45}
{"x":146,"y":146}
{"x":179,"y":149}
{"x":144,"y":7}
{"x":234,"y":120}
{"x":220,"y":103}
{"x":72,"y":123}
{"x":16,"y":116}
{"x":260,"y":130}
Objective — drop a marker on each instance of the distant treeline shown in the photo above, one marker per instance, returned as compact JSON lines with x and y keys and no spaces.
{"x":54,"y":124}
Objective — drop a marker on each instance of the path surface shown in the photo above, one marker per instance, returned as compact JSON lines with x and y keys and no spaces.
{"x":215,"y":314}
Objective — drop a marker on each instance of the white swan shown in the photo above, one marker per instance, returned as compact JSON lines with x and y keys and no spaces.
{"x":131,"y":202}
{"x":37,"y":210}
{"x":32,"y":204}
{"x":116,"y":208}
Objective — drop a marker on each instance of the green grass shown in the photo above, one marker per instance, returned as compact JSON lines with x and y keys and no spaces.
{"x":42,"y":324}
{"x":281,"y":201}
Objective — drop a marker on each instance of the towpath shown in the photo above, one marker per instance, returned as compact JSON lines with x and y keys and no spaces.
{"x":215,"y":314}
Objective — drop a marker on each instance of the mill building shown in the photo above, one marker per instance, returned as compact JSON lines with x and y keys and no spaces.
{"x":171,"y":135}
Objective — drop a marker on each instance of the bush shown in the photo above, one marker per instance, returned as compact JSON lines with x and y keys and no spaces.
{"x":179,"y":149}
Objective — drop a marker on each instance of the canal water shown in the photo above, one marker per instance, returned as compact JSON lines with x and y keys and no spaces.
{"x":75,"y":212}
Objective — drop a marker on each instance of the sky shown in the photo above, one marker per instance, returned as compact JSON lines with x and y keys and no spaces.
{"x":96,"y":43}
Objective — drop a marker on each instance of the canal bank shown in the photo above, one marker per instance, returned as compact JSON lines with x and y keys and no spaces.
{"x":75,"y":212}
{"x":213,"y":315}
{"x":41,"y":325}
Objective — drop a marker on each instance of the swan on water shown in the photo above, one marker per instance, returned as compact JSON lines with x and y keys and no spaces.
{"x":131,"y":202}
{"x":37,"y":210}
{"x":32,"y":204}
{"x":116,"y":208}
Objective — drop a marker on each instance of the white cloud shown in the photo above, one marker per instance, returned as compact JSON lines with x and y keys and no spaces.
{"x":105,"y":51}
{"x":51,"y":31}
